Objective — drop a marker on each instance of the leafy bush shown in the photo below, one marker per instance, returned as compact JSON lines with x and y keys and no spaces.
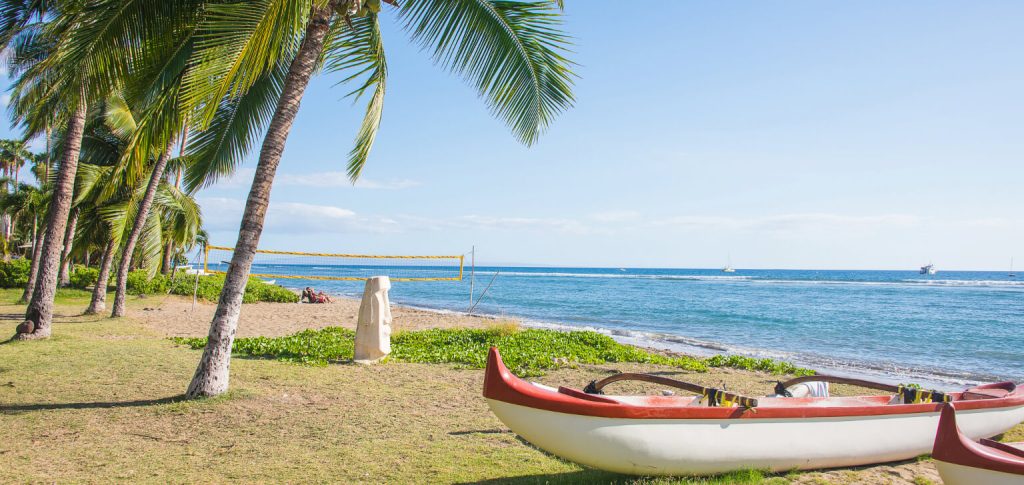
{"x":139,"y":283}
{"x":256,"y":290}
{"x":526,"y":352}
{"x":14,"y":273}
{"x":82,"y":276}
{"x":209,"y":287}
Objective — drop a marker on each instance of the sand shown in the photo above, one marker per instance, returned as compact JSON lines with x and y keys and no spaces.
{"x":175,"y":316}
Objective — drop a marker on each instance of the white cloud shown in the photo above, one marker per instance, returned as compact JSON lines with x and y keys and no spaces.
{"x":340,"y":179}
{"x":5,"y":99}
{"x":615,"y":216}
{"x":225,"y":214}
{"x":791,"y":222}
{"x":325,"y":213}
{"x":242,"y":177}
{"x":471,"y":222}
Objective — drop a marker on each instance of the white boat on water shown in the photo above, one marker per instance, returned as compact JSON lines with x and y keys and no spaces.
{"x":1011,"y":274}
{"x":929,"y":269}
{"x":728,"y":267}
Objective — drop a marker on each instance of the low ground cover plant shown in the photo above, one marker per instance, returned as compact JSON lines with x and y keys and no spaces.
{"x":527,"y":352}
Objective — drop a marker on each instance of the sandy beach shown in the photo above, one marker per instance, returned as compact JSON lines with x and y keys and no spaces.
{"x":176,"y":316}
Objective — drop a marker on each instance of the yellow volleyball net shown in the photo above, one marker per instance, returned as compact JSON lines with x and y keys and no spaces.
{"x":341,"y":267}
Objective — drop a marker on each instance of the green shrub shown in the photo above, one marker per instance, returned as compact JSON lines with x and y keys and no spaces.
{"x":209,"y":287}
{"x":82,"y":276}
{"x":14,"y":273}
{"x":526,"y":352}
{"x":139,"y":283}
{"x":256,"y":290}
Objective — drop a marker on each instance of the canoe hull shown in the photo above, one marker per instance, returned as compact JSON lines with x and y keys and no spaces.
{"x":960,"y":459}
{"x":953,"y":474}
{"x":710,"y":446}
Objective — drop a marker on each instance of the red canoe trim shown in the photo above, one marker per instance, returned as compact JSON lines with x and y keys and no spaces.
{"x":953,"y":447}
{"x":501,"y":385}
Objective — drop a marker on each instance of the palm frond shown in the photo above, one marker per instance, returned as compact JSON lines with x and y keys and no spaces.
{"x":217,"y":150}
{"x":359,"y":50}
{"x":118,"y":117}
{"x":512,"y":52}
{"x":237,"y":44}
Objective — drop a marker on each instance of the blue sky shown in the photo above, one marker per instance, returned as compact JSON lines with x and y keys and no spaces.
{"x":874,"y":135}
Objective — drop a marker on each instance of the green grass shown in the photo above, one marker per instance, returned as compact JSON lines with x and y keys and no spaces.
{"x":101,"y":402}
{"x":528,"y":352}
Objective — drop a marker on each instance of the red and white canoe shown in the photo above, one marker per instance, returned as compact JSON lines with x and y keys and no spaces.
{"x":961,"y":460}
{"x":674,"y":435}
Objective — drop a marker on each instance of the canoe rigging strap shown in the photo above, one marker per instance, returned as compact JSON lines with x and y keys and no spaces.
{"x":910,"y":395}
{"x":913,"y":395}
{"x":714,"y":397}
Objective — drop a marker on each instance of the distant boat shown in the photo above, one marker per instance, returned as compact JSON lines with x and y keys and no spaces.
{"x":269,"y":282}
{"x":728,"y":267}
{"x":1011,"y":273}
{"x":929,"y":269}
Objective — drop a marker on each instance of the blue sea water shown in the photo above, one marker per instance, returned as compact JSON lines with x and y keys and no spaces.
{"x":953,"y":327}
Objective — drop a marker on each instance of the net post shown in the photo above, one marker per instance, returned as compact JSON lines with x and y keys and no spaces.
{"x":206,"y":258}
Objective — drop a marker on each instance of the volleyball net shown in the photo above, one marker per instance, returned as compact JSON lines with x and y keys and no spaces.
{"x":342,"y":267}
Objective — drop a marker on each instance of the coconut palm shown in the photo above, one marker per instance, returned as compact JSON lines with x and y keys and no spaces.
{"x":66,"y":56}
{"x":121,"y":210}
{"x":13,"y":154}
{"x":511,"y":51}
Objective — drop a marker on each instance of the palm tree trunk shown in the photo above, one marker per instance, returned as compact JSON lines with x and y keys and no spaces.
{"x":33,"y":269}
{"x":46,"y":165}
{"x":212,"y":374}
{"x":133,"y":237}
{"x":99,"y":292}
{"x":39,"y":315}
{"x":181,"y":153}
{"x":64,"y":277}
{"x":168,"y":251}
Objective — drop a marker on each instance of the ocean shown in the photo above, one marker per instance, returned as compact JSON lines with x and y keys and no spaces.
{"x":951,"y":329}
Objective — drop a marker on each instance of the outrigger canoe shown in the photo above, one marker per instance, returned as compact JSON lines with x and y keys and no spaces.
{"x":961,"y":460}
{"x":718,"y":431}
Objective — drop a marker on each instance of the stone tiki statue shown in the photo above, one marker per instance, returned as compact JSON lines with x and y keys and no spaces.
{"x":373,"y":332}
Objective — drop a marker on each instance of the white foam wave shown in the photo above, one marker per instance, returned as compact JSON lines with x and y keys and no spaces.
{"x":629,"y":276}
{"x":996,"y":283}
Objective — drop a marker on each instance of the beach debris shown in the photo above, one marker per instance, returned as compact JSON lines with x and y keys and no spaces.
{"x":373,"y":330}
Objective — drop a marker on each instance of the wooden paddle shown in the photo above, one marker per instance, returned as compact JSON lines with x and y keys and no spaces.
{"x":715,"y":396}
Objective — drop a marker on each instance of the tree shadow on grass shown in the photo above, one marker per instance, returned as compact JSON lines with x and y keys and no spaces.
{"x":22,"y":408}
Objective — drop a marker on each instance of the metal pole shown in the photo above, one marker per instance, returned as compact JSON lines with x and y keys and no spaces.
{"x":472,"y":274}
{"x":484,"y":293}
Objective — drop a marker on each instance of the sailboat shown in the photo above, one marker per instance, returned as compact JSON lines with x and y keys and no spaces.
{"x":1011,"y":274}
{"x":728,"y":267}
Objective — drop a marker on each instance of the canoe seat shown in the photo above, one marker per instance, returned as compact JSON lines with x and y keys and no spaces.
{"x":1011,"y":448}
{"x":988,"y":391}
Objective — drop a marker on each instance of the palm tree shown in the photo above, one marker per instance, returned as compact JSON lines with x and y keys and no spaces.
{"x":13,"y":154}
{"x":66,"y":55}
{"x":511,"y":51}
{"x":112,"y":204}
